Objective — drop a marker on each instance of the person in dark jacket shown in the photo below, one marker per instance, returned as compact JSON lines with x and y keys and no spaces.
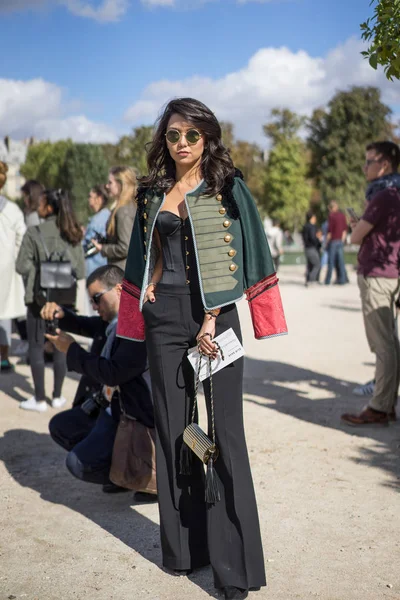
{"x":88,"y":430}
{"x":312,"y":247}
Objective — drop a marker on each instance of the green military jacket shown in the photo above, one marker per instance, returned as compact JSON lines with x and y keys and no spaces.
{"x":232,"y":254}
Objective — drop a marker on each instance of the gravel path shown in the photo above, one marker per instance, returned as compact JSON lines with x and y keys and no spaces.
{"x":328,"y":494}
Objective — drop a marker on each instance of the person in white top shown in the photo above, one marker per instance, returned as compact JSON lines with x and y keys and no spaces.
{"x":12,"y":229}
{"x":275,"y":240}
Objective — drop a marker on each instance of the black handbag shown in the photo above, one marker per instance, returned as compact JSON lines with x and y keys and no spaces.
{"x":200,"y":444}
{"x":55,"y":279}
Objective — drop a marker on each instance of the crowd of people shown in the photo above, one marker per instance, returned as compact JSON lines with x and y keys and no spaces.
{"x":165,"y":258}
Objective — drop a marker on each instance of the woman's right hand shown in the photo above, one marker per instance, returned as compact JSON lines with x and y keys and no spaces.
{"x":150,"y":293}
{"x":51,"y":310}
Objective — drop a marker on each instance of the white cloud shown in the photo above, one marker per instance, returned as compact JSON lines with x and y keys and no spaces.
{"x":106,"y":11}
{"x":98,"y":10}
{"x":37,"y":108}
{"x":273,"y":77}
{"x":152,"y":3}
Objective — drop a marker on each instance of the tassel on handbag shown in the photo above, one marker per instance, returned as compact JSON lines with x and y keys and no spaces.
{"x":205,"y":449}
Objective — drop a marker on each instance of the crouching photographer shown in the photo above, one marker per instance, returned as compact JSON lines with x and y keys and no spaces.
{"x":113,"y":381}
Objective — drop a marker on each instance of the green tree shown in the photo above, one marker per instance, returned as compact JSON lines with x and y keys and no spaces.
{"x":134,"y":148}
{"x":110,"y":152}
{"x":337,"y":140}
{"x":85,"y":166}
{"x":247,"y":157}
{"x":382,"y":31}
{"x":287,"y":191}
{"x":228,"y":138}
{"x":130,"y":150}
{"x":45,"y":161}
{"x":34,"y":158}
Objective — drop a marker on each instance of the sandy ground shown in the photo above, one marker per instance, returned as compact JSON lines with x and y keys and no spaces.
{"x":328,"y":495}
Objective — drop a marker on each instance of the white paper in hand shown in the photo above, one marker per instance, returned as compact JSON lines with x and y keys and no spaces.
{"x":231,"y":347}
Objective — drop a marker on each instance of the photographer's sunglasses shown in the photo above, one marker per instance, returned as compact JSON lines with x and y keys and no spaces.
{"x":174,"y":135}
{"x":95,"y":299}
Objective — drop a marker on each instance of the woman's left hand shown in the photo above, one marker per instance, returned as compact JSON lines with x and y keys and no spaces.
{"x":205,"y":343}
{"x":97,"y":245}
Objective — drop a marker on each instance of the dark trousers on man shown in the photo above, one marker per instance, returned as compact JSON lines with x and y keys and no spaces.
{"x":193,"y":534}
{"x":89,"y":441}
{"x":313,"y":258}
{"x":336,"y":260}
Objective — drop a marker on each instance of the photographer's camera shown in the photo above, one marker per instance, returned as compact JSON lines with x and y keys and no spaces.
{"x":94,"y":402}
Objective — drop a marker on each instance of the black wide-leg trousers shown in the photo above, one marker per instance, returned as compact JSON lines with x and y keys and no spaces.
{"x":194,"y":534}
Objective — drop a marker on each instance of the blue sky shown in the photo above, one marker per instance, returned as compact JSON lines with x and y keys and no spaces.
{"x":92,"y":69}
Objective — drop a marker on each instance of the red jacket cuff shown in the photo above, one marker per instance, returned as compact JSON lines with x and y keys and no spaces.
{"x":266,"y":308}
{"x":130,"y":320}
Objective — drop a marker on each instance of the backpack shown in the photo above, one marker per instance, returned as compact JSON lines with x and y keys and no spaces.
{"x":55,"y":279}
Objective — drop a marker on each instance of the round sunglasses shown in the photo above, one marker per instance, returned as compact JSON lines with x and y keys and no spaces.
{"x":174,"y":135}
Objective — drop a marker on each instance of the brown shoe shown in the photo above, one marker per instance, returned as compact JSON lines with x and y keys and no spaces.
{"x":368,"y":416}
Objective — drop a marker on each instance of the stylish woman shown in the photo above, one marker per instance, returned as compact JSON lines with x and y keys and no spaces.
{"x":121,"y":187}
{"x":97,"y":200}
{"x":197,"y":243}
{"x":59,"y":233}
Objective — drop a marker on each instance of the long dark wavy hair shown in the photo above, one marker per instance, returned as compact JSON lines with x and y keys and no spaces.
{"x":65,"y":215}
{"x":216,"y":163}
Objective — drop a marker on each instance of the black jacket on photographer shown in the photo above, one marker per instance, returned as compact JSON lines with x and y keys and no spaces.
{"x":125,"y":367}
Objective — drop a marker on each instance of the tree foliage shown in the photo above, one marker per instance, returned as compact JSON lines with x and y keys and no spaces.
{"x":130,"y":150}
{"x":287,"y":189}
{"x":45,"y":161}
{"x":337,"y":139}
{"x":85,"y":166}
{"x":247,"y":157}
{"x":382,"y":31}
{"x":73,"y":167}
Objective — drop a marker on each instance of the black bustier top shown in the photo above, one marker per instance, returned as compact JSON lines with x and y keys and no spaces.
{"x":179,"y":261}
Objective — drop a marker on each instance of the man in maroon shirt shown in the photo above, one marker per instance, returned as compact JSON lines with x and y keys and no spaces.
{"x":337,"y":231}
{"x":378,"y":233}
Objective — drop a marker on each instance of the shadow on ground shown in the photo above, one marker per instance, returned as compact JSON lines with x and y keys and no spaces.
{"x":343,"y":307}
{"x":15,"y":382}
{"x":321,"y":399}
{"x":35,"y":461}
